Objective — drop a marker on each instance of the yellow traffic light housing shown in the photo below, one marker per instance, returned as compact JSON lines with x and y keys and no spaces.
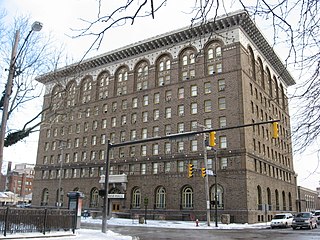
{"x":190,"y":170}
{"x":275,"y":128}
{"x":203,"y":172}
{"x":212,"y":139}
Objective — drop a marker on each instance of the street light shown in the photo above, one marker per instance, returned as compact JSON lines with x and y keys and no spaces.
{"x":36,"y":26}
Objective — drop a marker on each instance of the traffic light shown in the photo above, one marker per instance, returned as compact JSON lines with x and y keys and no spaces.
{"x":212,"y":139}
{"x":190,"y":170}
{"x":275,"y":127}
{"x":203,"y":172}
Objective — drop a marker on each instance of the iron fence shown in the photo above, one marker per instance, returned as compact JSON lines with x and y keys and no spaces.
{"x":22,"y":220}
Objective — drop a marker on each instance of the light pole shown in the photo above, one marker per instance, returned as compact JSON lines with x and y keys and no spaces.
{"x":215,"y":189}
{"x":36,"y":26}
{"x":106,"y":189}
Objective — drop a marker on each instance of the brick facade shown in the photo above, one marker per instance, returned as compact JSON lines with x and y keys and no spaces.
{"x":218,"y":66}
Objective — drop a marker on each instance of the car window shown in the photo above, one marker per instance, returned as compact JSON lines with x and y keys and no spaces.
{"x":279,"y":216}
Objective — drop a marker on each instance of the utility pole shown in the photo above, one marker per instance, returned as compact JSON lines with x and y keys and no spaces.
{"x":7,"y":93}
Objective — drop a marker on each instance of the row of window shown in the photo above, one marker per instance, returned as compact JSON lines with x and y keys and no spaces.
{"x":163,"y":71}
{"x":268,"y":201}
{"x":132,"y":169}
{"x":121,"y":152}
{"x":272,"y":171}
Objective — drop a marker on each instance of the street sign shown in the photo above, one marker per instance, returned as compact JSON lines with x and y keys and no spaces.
{"x":209,"y":172}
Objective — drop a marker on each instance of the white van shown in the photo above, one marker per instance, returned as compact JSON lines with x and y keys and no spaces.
{"x":281,"y":220}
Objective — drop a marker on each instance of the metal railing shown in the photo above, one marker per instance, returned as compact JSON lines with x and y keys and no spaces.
{"x":23,"y":220}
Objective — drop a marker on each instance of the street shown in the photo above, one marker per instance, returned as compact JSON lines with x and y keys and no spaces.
{"x":144,"y":233}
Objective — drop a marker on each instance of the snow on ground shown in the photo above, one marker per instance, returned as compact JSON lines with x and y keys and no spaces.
{"x":84,"y":234}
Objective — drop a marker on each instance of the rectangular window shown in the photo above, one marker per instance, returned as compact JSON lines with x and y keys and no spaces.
{"x":144,"y":133}
{"x":194,"y":108}
{"x":167,"y":129}
{"x":207,"y":87}
{"x":167,"y":167}
{"x":94,"y":140}
{"x":221,"y":85}
{"x":223,"y":162}
{"x":180,"y":146}
{"x":103,"y":139}
{"x":194,"y":90}
{"x":132,"y":151}
{"x":133,"y":135}
{"x":194,"y":145}
{"x":133,"y":118}
{"x":222,"y":122}
{"x":145,"y":100}
{"x":168,"y":112}
{"x":155,"y":131}
{"x":223,"y":142}
{"x":131,"y":169}
{"x":145,"y":117}
{"x":156,"y":114}
{"x":207,"y":106}
{"x":211,"y":70}
{"x":181,"y":166}
{"x":181,"y":110}
{"x":222,"y":103}
{"x":134,"y":102}
{"x":180,"y":127}
{"x":144,"y":150}
{"x":167,"y":147}
{"x":143,"y":168}
{"x":124,"y":104}
{"x":168,"y":95}
{"x":123,"y":120}
{"x":219,"y":67}
{"x":156,"y":98}
{"x":208,"y":123}
{"x":104,"y":123}
{"x":181,"y":93}
{"x":154,"y":168}
{"x":155,"y":149}
{"x":113,"y":122}
{"x":194,"y":125}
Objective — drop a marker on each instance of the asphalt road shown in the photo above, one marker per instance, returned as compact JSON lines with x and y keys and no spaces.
{"x":148,"y":233}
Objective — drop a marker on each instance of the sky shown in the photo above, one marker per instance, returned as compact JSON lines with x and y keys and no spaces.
{"x":59,"y":17}
{"x":84,"y":234}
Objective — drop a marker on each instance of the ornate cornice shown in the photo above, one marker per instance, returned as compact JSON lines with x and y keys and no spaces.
{"x":223,"y":23}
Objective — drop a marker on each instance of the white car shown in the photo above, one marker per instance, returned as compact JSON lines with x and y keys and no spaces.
{"x":281,"y":220}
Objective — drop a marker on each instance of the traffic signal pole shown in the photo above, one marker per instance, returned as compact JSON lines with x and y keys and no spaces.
{"x":206,"y":181}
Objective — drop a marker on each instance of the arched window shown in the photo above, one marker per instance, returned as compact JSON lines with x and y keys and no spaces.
{"x":136,"y":198}
{"x":187,"y":197}
{"x":276,"y":88}
{"x":187,"y":64}
{"x":259,"y":197}
{"x":269,"y":79}
{"x":283,"y":97}
{"x":103,"y":85}
{"x":290,"y":201}
{"x":160,"y":197}
{"x":85,"y":90}
{"x":60,"y":203}
{"x":277,"y":200}
{"x":121,"y":77}
{"x":94,"y":198}
{"x":141,"y":76}
{"x":269,"y":199}
{"x":252,"y":63}
{"x":284,"y":205}
{"x":260,"y":73}
{"x":45,"y":197}
{"x":213,"y":58}
{"x":163,"y":70}
{"x":57,"y":97}
{"x":71,"y":94}
{"x":220,"y":196}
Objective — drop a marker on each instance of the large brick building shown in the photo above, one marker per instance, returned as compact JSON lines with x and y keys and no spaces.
{"x":218,"y":74}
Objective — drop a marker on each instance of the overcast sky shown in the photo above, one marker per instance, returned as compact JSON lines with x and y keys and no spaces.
{"x":60,"y":16}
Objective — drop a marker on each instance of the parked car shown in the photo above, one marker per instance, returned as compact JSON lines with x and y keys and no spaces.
{"x":304,"y":220}
{"x":317,"y":215}
{"x":281,"y":220}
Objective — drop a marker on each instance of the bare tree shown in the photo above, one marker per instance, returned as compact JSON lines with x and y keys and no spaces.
{"x":34,"y":57}
{"x":295,"y":25}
